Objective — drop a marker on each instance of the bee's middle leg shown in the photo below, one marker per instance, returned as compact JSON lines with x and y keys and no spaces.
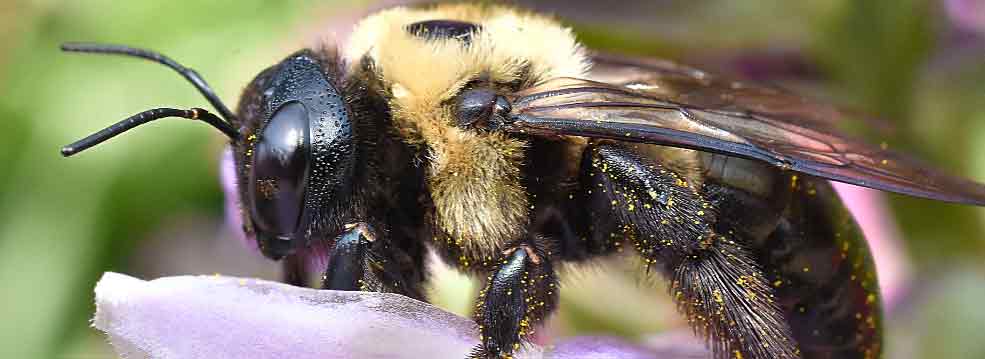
{"x":520,"y":292}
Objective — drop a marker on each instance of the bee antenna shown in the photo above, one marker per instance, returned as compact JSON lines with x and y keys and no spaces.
{"x":145,"y":117}
{"x":189,"y":74}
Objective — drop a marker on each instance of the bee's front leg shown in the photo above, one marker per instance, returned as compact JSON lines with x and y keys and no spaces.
{"x":361,"y":259}
{"x":520,"y":292}
{"x":295,"y":270}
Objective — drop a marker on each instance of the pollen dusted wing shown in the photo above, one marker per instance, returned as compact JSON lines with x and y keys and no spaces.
{"x":745,"y":123}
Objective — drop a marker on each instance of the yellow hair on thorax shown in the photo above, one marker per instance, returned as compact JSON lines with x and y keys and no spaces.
{"x":474,"y":177}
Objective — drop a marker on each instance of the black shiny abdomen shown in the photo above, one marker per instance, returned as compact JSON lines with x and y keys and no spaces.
{"x":817,"y":262}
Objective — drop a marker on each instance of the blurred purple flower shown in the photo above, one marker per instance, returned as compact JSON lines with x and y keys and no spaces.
{"x":968,"y":15}
{"x":869,"y":208}
{"x":228,"y":317}
{"x":234,"y":218}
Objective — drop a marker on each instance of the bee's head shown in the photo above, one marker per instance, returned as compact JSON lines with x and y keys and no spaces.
{"x":293,"y":143}
{"x":297,"y":155}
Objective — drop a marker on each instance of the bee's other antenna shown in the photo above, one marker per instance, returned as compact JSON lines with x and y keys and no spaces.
{"x":185,"y":72}
{"x":145,"y":117}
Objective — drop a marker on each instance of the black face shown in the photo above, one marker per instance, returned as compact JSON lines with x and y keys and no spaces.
{"x":300,"y":158}
{"x":303,"y":169}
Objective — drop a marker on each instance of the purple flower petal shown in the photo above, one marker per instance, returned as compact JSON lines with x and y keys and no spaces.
{"x":680,"y":343}
{"x":669,"y":346}
{"x":228,"y":317}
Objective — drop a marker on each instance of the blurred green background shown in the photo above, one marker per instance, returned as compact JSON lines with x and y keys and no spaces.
{"x":149,"y":203}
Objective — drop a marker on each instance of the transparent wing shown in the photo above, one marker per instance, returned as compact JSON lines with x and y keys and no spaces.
{"x":697,"y":88}
{"x":750,"y":122}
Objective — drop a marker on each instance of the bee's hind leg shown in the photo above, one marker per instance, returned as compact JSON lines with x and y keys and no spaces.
{"x":361,"y":259}
{"x":520,"y":292}
{"x":714,"y":277}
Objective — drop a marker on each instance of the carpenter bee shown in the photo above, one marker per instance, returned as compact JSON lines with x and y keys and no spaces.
{"x":492,"y":137}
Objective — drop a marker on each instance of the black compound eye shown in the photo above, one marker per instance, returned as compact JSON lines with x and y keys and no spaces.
{"x":280,"y":171}
{"x":302,"y":163}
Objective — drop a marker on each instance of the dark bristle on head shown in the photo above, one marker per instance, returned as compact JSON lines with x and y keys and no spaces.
{"x":222,"y":124}
{"x":444,"y":29}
